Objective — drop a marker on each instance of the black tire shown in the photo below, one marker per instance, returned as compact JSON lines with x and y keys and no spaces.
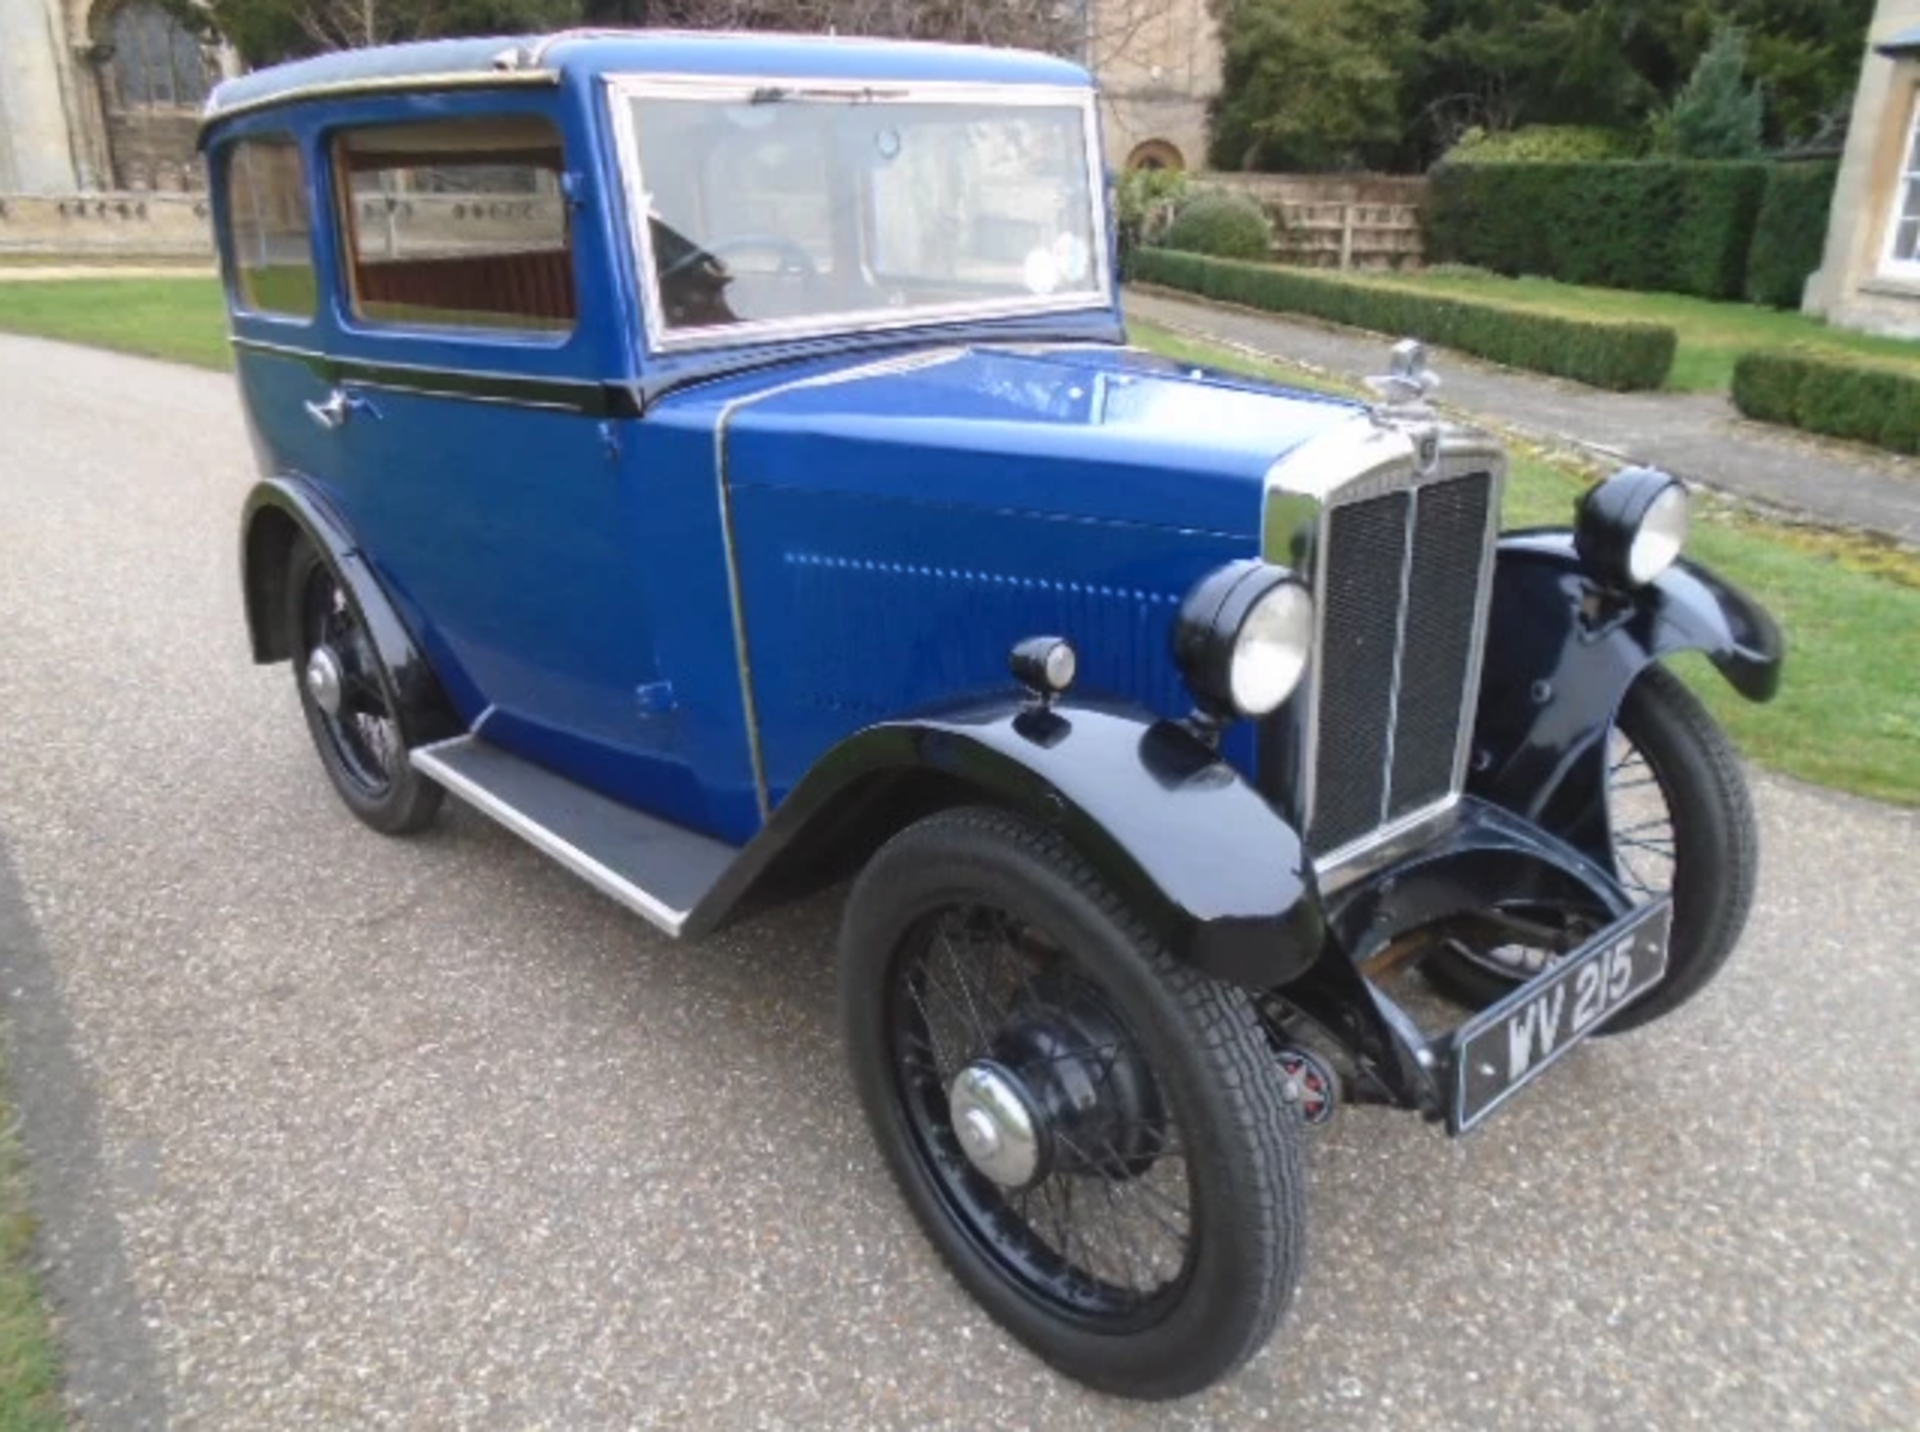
{"x":1185,"y":1102}
{"x":361,"y":744}
{"x":1667,"y":751}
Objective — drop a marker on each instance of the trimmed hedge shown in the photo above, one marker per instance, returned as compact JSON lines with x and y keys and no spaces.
{"x":1830,"y":393}
{"x":1651,"y":225}
{"x":1607,"y":354}
{"x":1542,"y":144}
{"x":1790,"y":232}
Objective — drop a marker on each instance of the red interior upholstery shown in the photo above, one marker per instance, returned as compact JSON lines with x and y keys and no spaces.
{"x":535,"y":283}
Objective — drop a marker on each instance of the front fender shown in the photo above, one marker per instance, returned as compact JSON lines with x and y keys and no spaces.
{"x":1194,"y":851}
{"x":1562,"y":649}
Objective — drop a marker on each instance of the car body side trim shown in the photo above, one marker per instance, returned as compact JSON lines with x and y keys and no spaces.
{"x":590,"y":398}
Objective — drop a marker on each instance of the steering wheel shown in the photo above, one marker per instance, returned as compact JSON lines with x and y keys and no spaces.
{"x":795,"y":262}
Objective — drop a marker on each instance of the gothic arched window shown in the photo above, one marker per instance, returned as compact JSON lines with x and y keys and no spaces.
{"x":157,"y":62}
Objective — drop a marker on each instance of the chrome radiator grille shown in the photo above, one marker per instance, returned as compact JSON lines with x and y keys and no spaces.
{"x":1401,"y":577}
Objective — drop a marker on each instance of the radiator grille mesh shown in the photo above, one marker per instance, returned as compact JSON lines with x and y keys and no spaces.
{"x":1393,"y":678}
{"x":1359,"y":632}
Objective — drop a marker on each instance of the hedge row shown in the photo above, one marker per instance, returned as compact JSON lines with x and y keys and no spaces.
{"x":1790,"y":232}
{"x":1828,"y":393}
{"x":1606,"y":354}
{"x":1651,"y":225}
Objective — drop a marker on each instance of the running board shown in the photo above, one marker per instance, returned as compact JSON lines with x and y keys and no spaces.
{"x":655,"y":868}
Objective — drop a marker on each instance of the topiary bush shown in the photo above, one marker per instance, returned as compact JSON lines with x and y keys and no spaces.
{"x":1668,"y":225}
{"x":1820,"y":392}
{"x":1542,"y":144}
{"x":1605,"y":353}
{"x":1790,"y":231}
{"x":1225,"y":226}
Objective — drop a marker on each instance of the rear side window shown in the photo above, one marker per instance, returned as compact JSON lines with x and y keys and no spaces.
{"x":270,"y":227}
{"x":458,"y":224}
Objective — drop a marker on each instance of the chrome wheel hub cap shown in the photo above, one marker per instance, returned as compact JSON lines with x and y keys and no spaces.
{"x":995,"y":1124}
{"x":324,"y":682}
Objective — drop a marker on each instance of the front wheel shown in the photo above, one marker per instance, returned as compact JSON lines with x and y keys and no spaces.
{"x":1092,"y":1134}
{"x":1682,"y":824}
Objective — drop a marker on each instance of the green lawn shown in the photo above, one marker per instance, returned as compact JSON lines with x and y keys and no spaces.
{"x":1848,"y":712}
{"x":183,"y":319}
{"x":1712,"y":335}
{"x":29,"y":1363}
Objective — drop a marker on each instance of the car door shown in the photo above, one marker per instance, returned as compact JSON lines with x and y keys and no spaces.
{"x":476,"y":448}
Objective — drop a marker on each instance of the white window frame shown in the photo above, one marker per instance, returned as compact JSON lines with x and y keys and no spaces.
{"x":1906,"y":181}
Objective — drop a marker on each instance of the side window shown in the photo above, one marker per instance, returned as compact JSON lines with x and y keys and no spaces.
{"x":457,"y":224}
{"x":1903,"y":231}
{"x":270,"y":226}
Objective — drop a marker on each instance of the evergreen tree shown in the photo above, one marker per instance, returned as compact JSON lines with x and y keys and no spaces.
{"x":1311,"y":84}
{"x":1717,"y":113}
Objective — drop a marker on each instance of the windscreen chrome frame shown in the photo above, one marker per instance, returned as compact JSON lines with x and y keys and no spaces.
{"x":622,"y":90}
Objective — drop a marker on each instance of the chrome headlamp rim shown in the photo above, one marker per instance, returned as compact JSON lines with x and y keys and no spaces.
{"x":1631,"y":527}
{"x":1243,"y":638}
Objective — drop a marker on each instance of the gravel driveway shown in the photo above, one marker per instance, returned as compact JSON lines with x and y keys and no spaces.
{"x":336,"y":1131}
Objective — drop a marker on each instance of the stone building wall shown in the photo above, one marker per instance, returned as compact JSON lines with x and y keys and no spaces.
{"x":1158,"y":63}
{"x":1856,"y":286}
{"x":64,"y":126}
{"x":154,"y":150}
{"x":107,"y":226}
{"x":36,"y":148}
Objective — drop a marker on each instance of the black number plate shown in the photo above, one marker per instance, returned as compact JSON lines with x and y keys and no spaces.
{"x":1500,"y":1049}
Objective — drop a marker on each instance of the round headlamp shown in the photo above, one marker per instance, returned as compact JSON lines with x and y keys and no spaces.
{"x":1631,"y":527}
{"x":1243,"y":637}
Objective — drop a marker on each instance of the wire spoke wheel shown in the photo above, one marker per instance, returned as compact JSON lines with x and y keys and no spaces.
{"x":1644,"y":857}
{"x":337,"y":665}
{"x":348,"y":702}
{"x":1091,"y":1134}
{"x":1681,"y":824}
{"x":1641,"y":819}
{"x":1100,"y":1220}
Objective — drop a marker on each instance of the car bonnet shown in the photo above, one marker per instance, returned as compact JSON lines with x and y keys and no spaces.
{"x":1094,"y":431}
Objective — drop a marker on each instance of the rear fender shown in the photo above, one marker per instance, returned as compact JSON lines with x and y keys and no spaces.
{"x":278,"y":513}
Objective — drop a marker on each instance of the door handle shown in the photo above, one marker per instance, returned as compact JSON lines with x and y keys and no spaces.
{"x":338,"y":407}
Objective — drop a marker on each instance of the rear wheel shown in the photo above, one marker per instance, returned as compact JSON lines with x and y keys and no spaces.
{"x":1091,"y":1134}
{"x":1682,"y":824}
{"x":347,"y":698}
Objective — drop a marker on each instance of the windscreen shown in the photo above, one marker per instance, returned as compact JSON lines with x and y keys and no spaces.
{"x":796,"y":211}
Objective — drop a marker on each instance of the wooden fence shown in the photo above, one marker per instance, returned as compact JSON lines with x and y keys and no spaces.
{"x":1340,"y":221}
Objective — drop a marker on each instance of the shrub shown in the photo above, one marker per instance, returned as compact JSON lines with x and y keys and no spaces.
{"x":1790,"y":231}
{"x":1224,"y":225}
{"x":1837,"y":394}
{"x":1542,"y":144}
{"x":1602,"y":352}
{"x":1660,"y":225}
{"x":1145,"y":201}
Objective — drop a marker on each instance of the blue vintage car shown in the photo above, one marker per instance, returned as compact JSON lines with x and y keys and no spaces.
{"x":719,"y":459}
